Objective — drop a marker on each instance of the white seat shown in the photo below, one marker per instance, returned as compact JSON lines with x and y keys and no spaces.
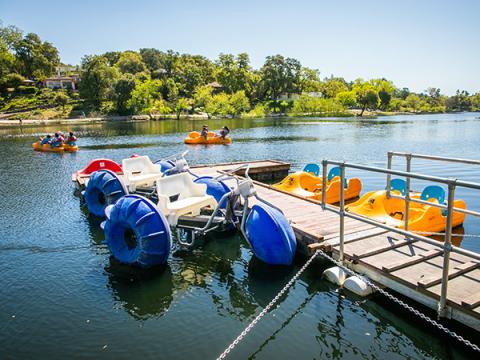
{"x":178,"y":195}
{"x":140,"y":172}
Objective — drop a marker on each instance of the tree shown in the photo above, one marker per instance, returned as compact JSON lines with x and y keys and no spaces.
{"x":122,"y":91}
{"x":239,"y":102}
{"x":97,"y":80}
{"x":219,"y":105}
{"x":235,"y":73}
{"x":280,"y":75}
{"x":346,"y":98}
{"x":36,"y":59}
{"x":130,"y":62}
{"x":310,"y":80}
{"x":332,"y":86}
{"x":145,"y":95}
{"x":181,"y":105}
{"x":61,"y":99}
{"x":366,"y":94}
{"x":112,"y":57}
{"x":413,"y":101}
{"x":201,"y":97}
{"x":11,"y":80}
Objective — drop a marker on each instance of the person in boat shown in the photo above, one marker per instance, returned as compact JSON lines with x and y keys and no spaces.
{"x":46,"y":140}
{"x":224,"y":132}
{"x":72,"y":139}
{"x":57,"y":140}
{"x":204,"y":132}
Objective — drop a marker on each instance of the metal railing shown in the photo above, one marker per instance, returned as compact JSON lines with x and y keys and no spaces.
{"x":408,"y":167}
{"x":447,"y":244}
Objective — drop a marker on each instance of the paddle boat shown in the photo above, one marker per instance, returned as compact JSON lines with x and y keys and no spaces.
{"x":421,"y":217}
{"x":37,"y":146}
{"x":196,"y":138}
{"x":307,"y":183}
{"x":138,"y":226}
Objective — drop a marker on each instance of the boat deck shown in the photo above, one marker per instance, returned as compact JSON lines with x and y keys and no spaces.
{"x":411,"y":268}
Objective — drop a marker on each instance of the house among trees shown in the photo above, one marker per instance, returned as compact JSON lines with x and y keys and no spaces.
{"x":66,"y":77}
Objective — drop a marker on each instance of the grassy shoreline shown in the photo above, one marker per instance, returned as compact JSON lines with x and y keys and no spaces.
{"x":368,"y":115}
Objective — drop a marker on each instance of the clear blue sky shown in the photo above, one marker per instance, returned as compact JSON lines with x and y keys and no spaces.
{"x":414,"y":43}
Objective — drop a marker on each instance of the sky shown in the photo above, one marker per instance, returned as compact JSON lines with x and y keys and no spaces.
{"x":416,"y":44}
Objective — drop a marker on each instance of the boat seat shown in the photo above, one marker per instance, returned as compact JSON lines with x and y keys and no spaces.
{"x":433,"y":192}
{"x":312,"y":169}
{"x":178,"y":195}
{"x":335,"y":171}
{"x":399,"y":185}
{"x":139,"y":171}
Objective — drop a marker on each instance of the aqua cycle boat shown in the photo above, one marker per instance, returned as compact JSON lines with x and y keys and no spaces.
{"x":143,"y":206}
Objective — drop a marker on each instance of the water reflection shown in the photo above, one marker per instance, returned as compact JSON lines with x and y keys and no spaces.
{"x":142,"y":293}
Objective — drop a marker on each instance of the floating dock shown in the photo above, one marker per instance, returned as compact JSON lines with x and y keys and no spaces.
{"x":410,"y":267}
{"x":407,"y":266}
{"x":263,"y":170}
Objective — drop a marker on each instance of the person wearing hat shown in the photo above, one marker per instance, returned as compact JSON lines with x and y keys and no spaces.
{"x":204,"y":132}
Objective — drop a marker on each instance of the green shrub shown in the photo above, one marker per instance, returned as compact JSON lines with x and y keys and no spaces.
{"x":27,"y":90}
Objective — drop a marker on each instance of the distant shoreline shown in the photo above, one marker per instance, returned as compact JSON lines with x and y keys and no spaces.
{"x":4,"y":123}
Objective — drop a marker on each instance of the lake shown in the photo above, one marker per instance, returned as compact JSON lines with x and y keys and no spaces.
{"x":63,"y":297}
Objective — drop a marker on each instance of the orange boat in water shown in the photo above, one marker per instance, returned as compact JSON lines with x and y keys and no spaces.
{"x":196,"y":138}
{"x":37,"y":146}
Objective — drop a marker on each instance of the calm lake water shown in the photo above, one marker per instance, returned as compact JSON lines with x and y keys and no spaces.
{"x":62,"y":296}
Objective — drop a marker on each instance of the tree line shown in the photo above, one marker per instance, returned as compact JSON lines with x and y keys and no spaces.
{"x":155,"y":82}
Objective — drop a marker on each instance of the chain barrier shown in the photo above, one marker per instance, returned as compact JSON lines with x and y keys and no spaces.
{"x":403,"y":304}
{"x":368,"y":282}
{"x":268,"y":307}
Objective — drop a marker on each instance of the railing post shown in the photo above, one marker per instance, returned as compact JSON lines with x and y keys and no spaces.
{"x":447,"y":246}
{"x":324,"y":182}
{"x":342,"y":209}
{"x":389,"y":176}
{"x":407,"y":190}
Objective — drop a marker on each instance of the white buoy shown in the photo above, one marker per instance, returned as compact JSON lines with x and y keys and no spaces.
{"x":357,"y":286}
{"x":335,"y":275}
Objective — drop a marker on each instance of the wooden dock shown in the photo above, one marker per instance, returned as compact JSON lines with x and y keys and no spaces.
{"x":263,"y":170}
{"x":411,"y":268}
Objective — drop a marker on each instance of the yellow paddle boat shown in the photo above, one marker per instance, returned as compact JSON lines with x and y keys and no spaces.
{"x":308,"y":184}
{"x":37,"y":146}
{"x":196,"y":138}
{"x":421,"y":217}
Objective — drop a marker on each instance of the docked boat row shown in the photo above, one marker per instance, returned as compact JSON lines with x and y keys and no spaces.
{"x":147,"y":205}
{"x":378,"y":205}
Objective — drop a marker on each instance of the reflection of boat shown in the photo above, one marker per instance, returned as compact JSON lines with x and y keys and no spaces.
{"x":308,"y":184}
{"x":142,"y":293}
{"x":37,"y":146}
{"x":422,"y":217}
{"x":196,"y":138}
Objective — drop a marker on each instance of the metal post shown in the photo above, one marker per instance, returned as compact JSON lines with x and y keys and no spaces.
{"x":342,"y":209}
{"x":389,"y":176}
{"x":407,"y":190}
{"x":324,"y":182}
{"x":447,"y":246}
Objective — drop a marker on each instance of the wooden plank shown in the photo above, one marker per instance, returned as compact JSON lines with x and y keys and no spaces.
{"x":412,"y":260}
{"x":380,"y":249}
{"x":472,"y":301}
{"x":457,"y":270}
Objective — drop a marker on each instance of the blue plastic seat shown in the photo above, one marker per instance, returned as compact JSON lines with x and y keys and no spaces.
{"x":398,"y":184}
{"x":335,"y":171}
{"x":435,"y":192}
{"x":312,"y":169}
